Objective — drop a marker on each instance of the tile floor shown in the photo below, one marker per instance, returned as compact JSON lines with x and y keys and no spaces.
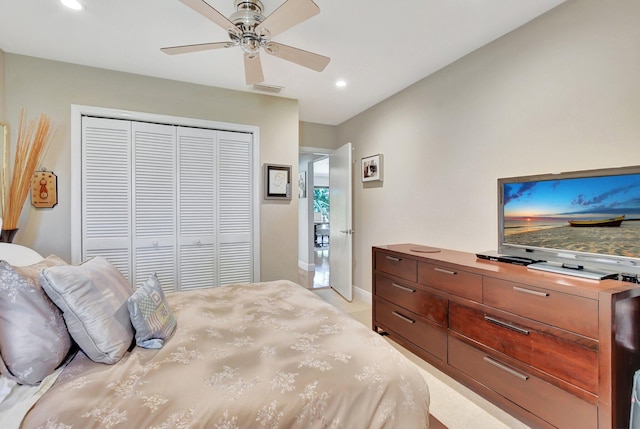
{"x":320,"y":277}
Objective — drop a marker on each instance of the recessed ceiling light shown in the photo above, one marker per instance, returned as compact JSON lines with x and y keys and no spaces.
{"x":341,"y":83}
{"x":72,"y":4}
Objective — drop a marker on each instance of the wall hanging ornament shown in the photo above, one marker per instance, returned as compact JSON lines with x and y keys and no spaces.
{"x":44,"y":189}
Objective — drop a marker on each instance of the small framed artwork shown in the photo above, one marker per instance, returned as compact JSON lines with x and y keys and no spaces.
{"x":371,"y":168}
{"x":302,"y":184}
{"x":44,"y":189}
{"x":277,"y":182}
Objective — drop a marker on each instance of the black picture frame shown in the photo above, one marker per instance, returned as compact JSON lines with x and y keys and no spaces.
{"x":277,"y":182}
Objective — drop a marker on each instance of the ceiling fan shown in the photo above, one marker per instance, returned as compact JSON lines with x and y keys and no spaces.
{"x":250,"y":30}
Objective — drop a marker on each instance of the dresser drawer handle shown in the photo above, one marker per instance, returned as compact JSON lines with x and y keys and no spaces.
{"x":505,"y":325}
{"x":531,"y":292}
{"x":404,"y":288}
{"x":506,"y":369}
{"x":405,"y":318}
{"x":440,"y":270}
{"x":391,"y":258}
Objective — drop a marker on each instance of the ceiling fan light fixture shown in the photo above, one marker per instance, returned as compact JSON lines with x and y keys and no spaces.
{"x":250,"y":46}
{"x":250,"y":30}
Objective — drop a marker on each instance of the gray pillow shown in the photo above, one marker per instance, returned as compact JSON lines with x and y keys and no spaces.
{"x":150,"y":314}
{"x":93,"y":299}
{"x":33,"y":337}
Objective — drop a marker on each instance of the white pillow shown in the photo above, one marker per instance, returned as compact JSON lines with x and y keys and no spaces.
{"x":93,"y":299}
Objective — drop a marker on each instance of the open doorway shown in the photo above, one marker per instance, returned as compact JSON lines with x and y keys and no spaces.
{"x":318,"y":268}
{"x":313,"y":221}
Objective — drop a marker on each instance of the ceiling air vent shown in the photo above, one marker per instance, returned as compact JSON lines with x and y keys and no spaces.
{"x":271,"y":89}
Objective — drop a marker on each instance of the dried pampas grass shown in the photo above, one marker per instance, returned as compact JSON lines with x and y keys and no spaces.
{"x":31,"y":145}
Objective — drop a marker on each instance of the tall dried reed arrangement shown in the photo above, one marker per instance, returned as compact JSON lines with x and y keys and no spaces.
{"x":31,"y":144}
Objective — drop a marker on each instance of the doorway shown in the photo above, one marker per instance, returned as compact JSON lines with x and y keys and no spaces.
{"x":326,"y":261}
{"x":313,"y":220}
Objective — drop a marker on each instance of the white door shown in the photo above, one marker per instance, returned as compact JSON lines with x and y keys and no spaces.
{"x":340,"y":227}
{"x":154,"y":203}
{"x":177,"y":201}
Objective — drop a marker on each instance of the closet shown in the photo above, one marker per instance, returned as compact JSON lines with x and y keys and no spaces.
{"x":174,"y":200}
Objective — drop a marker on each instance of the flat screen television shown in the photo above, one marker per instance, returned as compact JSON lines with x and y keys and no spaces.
{"x":585,"y":220}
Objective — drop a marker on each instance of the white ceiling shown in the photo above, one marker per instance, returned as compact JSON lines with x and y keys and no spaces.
{"x":378,"y":46}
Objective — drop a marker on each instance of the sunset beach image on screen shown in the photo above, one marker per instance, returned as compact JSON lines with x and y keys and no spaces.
{"x":599,"y":215}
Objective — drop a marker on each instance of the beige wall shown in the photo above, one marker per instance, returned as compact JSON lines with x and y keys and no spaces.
{"x":51,"y":87}
{"x":319,"y":136}
{"x":559,"y":94}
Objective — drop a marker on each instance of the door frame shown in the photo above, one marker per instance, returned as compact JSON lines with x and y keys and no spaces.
{"x":78,"y":111}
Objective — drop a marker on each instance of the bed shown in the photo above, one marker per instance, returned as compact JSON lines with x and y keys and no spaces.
{"x":263,"y":355}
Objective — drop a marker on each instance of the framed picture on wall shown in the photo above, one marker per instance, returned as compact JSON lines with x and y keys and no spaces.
{"x":371,"y":168}
{"x":277,"y":182}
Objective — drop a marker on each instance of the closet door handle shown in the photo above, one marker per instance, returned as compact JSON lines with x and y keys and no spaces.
{"x":505,"y":325}
{"x":531,"y":292}
{"x":404,"y":288}
{"x":506,"y":369}
{"x":391,"y":258}
{"x":442,"y":270}
{"x":405,"y":318}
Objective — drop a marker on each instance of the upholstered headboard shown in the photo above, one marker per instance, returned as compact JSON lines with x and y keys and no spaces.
{"x":18,"y":255}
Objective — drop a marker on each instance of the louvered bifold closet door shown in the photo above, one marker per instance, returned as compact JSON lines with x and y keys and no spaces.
{"x":106,"y":191}
{"x":154,"y":207}
{"x":197,"y":194}
{"x":235,"y":208}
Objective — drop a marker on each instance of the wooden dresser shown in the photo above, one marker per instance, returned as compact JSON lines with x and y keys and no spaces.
{"x":551,"y":349}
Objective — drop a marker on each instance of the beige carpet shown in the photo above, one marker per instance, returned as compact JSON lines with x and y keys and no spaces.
{"x":454,"y":405}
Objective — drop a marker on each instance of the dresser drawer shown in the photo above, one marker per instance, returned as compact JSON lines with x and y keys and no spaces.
{"x":456,"y":282}
{"x":427,"y":305}
{"x":549,"y":402}
{"x":397,"y":266}
{"x":567,"y":360}
{"x":425,"y":335}
{"x":570,"y":312}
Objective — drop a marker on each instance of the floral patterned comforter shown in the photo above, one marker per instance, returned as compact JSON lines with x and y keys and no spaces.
{"x":264,"y":355}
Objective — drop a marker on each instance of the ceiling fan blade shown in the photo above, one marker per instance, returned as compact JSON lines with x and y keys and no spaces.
{"x":253,"y":69}
{"x":204,"y":9}
{"x":304,"y":58}
{"x":290,"y":13}
{"x":185,"y":49}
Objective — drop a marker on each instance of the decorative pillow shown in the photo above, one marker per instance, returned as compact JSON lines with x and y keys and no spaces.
{"x":150,"y":314}
{"x":33,"y":337}
{"x":93,"y":299}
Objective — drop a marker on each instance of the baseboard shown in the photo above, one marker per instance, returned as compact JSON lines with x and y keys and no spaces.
{"x":306,"y":267}
{"x":362,"y":295}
